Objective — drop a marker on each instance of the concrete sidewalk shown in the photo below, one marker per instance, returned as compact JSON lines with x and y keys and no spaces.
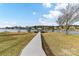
{"x":34,"y":48}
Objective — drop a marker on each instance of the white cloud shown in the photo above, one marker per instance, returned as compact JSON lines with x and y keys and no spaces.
{"x":60,"y":6}
{"x":48,"y":16}
{"x":76,"y":23}
{"x":47,"y":22}
{"x":48,"y":5}
{"x":55,"y":13}
{"x":52,"y":14}
{"x":7,"y":23}
{"x":34,"y":13}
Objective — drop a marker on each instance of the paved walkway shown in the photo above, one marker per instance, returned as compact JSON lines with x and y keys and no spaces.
{"x":34,"y":48}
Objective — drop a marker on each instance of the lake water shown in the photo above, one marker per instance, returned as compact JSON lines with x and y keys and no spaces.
{"x":12,"y":30}
{"x":70,"y":32}
{"x":16,"y":30}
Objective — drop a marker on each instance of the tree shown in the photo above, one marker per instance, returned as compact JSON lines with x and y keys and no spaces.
{"x":70,"y":15}
{"x":29,"y":29}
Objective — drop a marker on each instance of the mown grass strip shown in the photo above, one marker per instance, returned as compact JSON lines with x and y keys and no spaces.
{"x":13,"y":45}
{"x":62,"y":44}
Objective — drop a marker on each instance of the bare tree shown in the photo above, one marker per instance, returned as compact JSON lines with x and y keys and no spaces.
{"x":70,"y":15}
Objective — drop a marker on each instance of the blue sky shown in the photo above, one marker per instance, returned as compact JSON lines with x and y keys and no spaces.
{"x":28,"y":14}
{"x":22,"y":14}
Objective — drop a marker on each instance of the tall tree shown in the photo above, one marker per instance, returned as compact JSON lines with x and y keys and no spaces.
{"x":70,"y":15}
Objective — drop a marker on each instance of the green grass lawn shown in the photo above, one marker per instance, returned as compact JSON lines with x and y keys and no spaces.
{"x":11,"y":44}
{"x":61,"y":44}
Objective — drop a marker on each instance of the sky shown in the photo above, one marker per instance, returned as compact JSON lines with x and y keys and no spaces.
{"x":29,"y":14}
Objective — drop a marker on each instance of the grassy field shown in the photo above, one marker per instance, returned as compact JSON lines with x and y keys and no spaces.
{"x":61,"y":44}
{"x":11,"y":44}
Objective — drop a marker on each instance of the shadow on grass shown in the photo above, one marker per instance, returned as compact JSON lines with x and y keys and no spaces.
{"x":46,"y":47}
